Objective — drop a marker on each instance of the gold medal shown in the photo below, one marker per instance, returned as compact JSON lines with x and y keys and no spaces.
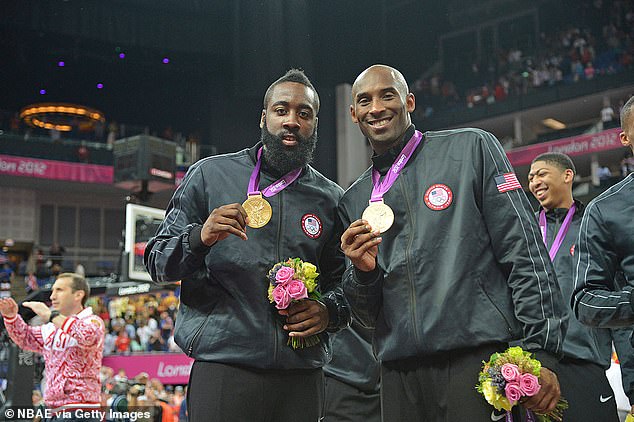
{"x":258,"y":210}
{"x":379,"y":215}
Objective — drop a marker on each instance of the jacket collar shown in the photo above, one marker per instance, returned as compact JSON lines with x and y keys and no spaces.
{"x":559,"y":213}
{"x":384,"y":161}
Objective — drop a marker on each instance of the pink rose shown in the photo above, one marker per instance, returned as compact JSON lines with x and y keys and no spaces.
{"x":281,"y":296}
{"x":510,"y":372}
{"x":529,"y":384}
{"x":284,"y":274}
{"x":296,"y":289}
{"x":512,"y":392}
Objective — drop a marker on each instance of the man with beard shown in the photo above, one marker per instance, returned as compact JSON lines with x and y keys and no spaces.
{"x":244,"y":369}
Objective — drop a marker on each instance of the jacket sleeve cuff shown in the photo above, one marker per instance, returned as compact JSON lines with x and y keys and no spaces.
{"x":195,"y":243}
{"x":367,"y":277}
{"x":336,"y":321}
{"x":10,"y":320}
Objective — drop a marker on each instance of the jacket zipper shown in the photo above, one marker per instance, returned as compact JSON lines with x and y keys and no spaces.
{"x":278,"y":259}
{"x":412,"y":290}
{"x":506,"y":321}
{"x":199,"y":330}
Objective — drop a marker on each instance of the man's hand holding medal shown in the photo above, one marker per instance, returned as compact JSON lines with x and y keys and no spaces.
{"x":224,"y":221}
{"x":360,"y":241}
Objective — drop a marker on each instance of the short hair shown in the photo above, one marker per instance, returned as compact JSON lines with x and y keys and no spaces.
{"x":626,"y":110}
{"x":399,"y":80}
{"x":78,"y":282}
{"x":562,"y":161}
{"x":293,"y":75}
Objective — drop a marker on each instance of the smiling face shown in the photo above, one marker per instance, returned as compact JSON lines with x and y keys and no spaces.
{"x":381,"y":105}
{"x":551,"y":185}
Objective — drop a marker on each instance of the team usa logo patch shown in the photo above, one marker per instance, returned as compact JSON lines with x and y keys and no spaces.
{"x":311,"y":224}
{"x":572,"y":250}
{"x":438,"y":197}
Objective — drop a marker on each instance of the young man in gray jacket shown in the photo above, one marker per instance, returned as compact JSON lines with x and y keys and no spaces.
{"x":446,"y":263}
{"x":244,"y":370}
{"x":587,"y":350}
{"x":604,"y":268}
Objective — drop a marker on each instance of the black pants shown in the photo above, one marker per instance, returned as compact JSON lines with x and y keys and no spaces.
{"x":438,"y":388}
{"x":345,"y":403}
{"x":228,"y":393}
{"x":585,"y":386}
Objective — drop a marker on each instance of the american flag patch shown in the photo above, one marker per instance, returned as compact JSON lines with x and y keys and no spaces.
{"x":507,"y":182}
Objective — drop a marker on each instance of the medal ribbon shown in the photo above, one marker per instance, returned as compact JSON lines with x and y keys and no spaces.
{"x":276,"y":187}
{"x":560,"y":234}
{"x":380,"y":188}
{"x":530,"y":416}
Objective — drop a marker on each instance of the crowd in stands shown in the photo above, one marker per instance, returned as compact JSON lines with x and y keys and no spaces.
{"x":563,"y":56}
{"x":136,"y":324}
{"x":121,"y":391}
{"x":41,"y":268}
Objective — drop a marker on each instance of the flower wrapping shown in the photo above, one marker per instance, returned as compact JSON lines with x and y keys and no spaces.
{"x":509,"y":376}
{"x":290,"y":281}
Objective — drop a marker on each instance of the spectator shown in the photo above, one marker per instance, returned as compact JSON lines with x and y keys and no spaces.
{"x":30,"y":282}
{"x":6,"y":273}
{"x":135,"y":345}
{"x":156,"y":343}
{"x":607,"y":113}
{"x":182,"y":413}
{"x":627,"y":164}
{"x":167,"y":326}
{"x":121,"y":376}
{"x":605,"y":175}
{"x":83,"y":154}
{"x":38,"y":404}
{"x":122,"y":342}
{"x":56,"y":253}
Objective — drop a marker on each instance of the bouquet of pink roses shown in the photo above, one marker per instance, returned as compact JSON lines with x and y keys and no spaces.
{"x":509,"y":376}
{"x":293,"y":280}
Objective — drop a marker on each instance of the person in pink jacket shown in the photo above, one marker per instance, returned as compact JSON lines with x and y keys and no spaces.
{"x":71,"y":343}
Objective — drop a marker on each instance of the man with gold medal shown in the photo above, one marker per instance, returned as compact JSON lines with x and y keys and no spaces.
{"x":244,"y":370}
{"x":446,"y":262}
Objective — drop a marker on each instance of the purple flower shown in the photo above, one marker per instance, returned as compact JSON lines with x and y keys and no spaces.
{"x":273,"y":271}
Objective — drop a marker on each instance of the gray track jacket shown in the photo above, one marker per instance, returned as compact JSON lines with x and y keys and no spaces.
{"x":464,"y":264}
{"x":225,"y":315}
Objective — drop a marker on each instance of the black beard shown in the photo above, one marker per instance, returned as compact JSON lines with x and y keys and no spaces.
{"x":283,"y":159}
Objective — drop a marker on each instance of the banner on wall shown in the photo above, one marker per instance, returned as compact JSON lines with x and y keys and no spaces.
{"x":55,"y":170}
{"x":576,"y":145}
{"x":61,"y":170}
{"x":169,"y":368}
